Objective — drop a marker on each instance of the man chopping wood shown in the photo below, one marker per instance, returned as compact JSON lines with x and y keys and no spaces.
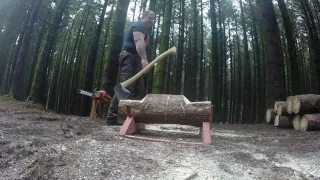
{"x":132,"y":59}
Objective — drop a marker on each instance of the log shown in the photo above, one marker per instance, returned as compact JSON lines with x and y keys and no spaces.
{"x":289,"y":104}
{"x":282,"y":110}
{"x":270,"y":116}
{"x":276,"y":105}
{"x":167,"y":109}
{"x":296,"y":122}
{"x":306,"y":104}
{"x":283,"y":122}
{"x":310,"y":122}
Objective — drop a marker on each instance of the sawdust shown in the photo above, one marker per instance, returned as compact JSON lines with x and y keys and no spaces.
{"x":36,"y":144}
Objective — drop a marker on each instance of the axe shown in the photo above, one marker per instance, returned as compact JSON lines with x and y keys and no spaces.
{"x":120,"y":89}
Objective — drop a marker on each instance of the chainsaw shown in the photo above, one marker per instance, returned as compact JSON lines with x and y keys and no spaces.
{"x":101,"y":94}
{"x":99,"y":98}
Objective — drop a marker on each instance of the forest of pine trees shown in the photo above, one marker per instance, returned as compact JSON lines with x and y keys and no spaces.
{"x":242,"y":55}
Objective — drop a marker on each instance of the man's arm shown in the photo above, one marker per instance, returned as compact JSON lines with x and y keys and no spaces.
{"x":140,"y":44}
{"x":141,"y":47}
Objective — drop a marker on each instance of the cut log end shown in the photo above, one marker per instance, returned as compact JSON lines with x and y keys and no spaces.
{"x":276,"y":121}
{"x":296,"y":122}
{"x":303,"y":124}
{"x":277,"y":103}
{"x":289,"y":104}
{"x":282,"y":110}
{"x":305,"y":104}
{"x":310,"y":122}
{"x":296,"y":104}
{"x":270,"y":116}
{"x":283,"y":122}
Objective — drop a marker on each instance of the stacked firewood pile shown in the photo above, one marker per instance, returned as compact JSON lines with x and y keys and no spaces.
{"x":301,"y":112}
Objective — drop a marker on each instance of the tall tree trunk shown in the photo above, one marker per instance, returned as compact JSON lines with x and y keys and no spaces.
{"x":134,"y":9}
{"x":154,"y":44}
{"x":214,"y":64}
{"x":260,"y":113}
{"x":247,"y":73}
{"x":22,"y":57}
{"x":100,"y":66}
{"x":194,"y":54}
{"x":110,"y":75}
{"x":45,"y":51}
{"x":239,"y":109}
{"x":180,"y":48}
{"x":13,"y":60}
{"x":91,"y":61}
{"x":202,"y":63}
{"x":314,"y":40}
{"x":161,"y":67}
{"x":274,"y":83}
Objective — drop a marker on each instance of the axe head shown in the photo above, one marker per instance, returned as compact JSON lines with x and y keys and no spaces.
{"x":121,"y":92}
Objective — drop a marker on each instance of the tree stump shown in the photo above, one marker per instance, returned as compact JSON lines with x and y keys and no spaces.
{"x":306,"y":104}
{"x":310,"y":122}
{"x":167,"y":109}
{"x":270,"y":116}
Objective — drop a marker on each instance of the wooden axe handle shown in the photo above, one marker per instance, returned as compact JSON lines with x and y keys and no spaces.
{"x":171,"y":51}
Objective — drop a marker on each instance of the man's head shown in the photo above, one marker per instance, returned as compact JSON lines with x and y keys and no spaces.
{"x":148,"y":18}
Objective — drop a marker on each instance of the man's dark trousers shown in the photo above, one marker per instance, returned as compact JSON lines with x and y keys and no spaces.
{"x":130,"y":64}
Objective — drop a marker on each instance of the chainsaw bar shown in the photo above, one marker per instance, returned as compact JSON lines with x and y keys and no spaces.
{"x":86,"y":93}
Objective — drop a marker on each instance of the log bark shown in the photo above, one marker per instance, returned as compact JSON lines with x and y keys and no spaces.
{"x":283,"y":122}
{"x":310,"y":122}
{"x":167,"y":109}
{"x":282,"y":110}
{"x":277,"y":103}
{"x":296,"y":122}
{"x":306,"y":104}
{"x":289,"y":104}
{"x":270,"y":116}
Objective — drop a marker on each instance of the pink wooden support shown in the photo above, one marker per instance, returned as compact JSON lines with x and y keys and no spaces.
{"x":128,"y":126}
{"x":206,"y":130}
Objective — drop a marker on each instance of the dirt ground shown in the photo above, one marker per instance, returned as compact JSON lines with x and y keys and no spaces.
{"x":37,"y":144}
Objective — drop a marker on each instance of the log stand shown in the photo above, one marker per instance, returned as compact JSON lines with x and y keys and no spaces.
{"x":130,"y":126}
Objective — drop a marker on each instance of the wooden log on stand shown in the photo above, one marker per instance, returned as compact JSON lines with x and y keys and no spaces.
{"x":270,"y":116}
{"x":306,"y":104}
{"x":277,"y":103}
{"x":283,"y":122}
{"x":296,"y":122}
{"x":167,"y":109}
{"x":310,"y":122}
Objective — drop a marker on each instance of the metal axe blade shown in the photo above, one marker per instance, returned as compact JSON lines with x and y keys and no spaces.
{"x":120,"y":89}
{"x":121,"y":92}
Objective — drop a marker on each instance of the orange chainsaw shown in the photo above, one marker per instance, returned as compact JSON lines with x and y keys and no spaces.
{"x":99,"y":99}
